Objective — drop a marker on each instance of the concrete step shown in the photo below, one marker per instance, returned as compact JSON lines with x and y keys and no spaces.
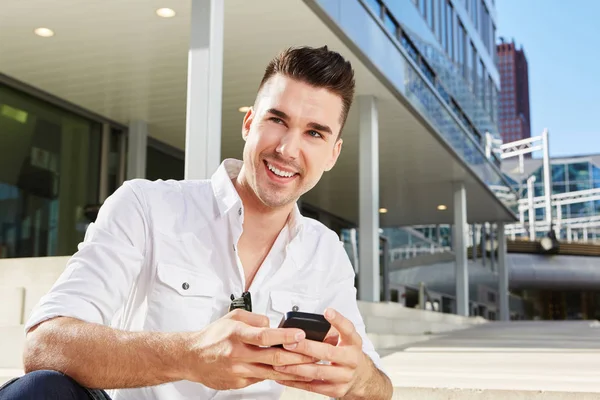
{"x":6,"y":374}
{"x":399,"y":326}
{"x":396,"y":311}
{"x":11,"y":346}
{"x":383,"y":341}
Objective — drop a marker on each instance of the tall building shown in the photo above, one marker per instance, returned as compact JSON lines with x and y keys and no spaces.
{"x":514,"y":123}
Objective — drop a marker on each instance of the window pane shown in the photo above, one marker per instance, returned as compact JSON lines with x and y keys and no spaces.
{"x":481,"y":82}
{"x":579,"y":171}
{"x":450,"y":27}
{"x":430,"y":20}
{"x":390,"y":24}
{"x":443,"y":22}
{"x":375,"y":6}
{"x":49,"y":174}
{"x":161,"y":165}
{"x":558,"y":173}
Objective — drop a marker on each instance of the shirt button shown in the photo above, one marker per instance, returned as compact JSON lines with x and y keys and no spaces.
{"x":240,"y":211}
{"x":185,"y":286}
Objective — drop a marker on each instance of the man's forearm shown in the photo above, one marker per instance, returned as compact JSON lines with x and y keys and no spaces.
{"x":97,"y":356}
{"x":376,"y":385}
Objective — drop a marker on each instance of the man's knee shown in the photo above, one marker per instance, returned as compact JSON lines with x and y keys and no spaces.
{"x":43,"y":384}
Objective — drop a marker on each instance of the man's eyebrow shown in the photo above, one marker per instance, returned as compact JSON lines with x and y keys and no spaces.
{"x":277,"y":112}
{"x":313,"y":125}
{"x":319,"y":127}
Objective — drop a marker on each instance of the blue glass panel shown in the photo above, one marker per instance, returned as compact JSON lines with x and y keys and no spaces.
{"x":558,"y":188}
{"x":375,"y":6}
{"x":558,"y":173}
{"x":410,"y":48}
{"x":579,"y":185}
{"x":595,"y":175}
{"x":579,"y":171}
{"x":390,"y":24}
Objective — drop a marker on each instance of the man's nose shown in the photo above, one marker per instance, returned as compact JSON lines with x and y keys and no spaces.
{"x":289,"y":146}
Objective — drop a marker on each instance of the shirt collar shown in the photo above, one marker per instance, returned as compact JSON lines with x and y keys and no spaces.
{"x":228,"y":198}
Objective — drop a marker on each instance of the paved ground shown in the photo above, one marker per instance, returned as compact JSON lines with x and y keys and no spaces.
{"x":517,"y":356}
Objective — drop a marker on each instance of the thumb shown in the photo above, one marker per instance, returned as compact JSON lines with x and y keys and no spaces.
{"x":252,"y":319}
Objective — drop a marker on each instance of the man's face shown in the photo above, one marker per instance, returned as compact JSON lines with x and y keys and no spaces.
{"x":291,"y":139}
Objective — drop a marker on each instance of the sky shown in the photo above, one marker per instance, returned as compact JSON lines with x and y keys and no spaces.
{"x":561,"y":40}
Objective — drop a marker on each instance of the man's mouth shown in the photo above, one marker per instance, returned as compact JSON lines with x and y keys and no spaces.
{"x":279,"y":172}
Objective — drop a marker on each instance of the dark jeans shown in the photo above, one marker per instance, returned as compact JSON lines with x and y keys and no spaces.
{"x":48,"y":385}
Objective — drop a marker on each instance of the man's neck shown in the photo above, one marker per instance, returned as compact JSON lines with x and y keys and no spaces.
{"x":259,"y":219}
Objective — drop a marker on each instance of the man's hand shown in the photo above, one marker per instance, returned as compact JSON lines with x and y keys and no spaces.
{"x":231,"y":352}
{"x":351,"y":373}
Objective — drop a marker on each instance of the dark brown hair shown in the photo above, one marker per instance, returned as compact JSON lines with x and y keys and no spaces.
{"x":319,"y":67}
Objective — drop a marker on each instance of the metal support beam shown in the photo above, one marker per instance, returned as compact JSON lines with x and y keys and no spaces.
{"x":204,"y":89}
{"x":387,"y":295}
{"x":368,"y":182}
{"x":531,"y":217}
{"x":492,"y":249}
{"x":136,"y":150}
{"x":474,"y":241}
{"x":104,"y":163}
{"x":460,"y":250}
{"x":547,"y":176}
{"x":483,"y":241}
{"x":502,"y":275}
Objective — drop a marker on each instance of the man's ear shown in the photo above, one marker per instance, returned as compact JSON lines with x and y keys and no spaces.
{"x":337,"y":149}
{"x":248,"y":118}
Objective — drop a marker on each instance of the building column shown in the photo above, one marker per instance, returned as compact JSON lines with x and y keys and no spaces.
{"x":204,"y":90}
{"x":368,"y":183}
{"x":502,"y":275}
{"x":460,"y":249}
{"x":136,"y":149}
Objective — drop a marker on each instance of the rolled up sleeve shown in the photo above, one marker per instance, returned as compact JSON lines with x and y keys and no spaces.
{"x":342,"y":298}
{"x":98,"y":277}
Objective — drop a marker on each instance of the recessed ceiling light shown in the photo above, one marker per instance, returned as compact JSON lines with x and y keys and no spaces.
{"x":44,"y":32}
{"x":442,"y":207}
{"x":165,"y":12}
{"x":244,"y":109}
{"x":383,"y":210}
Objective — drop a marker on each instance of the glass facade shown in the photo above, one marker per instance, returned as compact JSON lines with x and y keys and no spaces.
{"x":49,"y":176}
{"x":164,"y":164}
{"x":567,"y":177}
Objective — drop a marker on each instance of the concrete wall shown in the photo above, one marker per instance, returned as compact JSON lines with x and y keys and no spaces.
{"x":23,"y":281}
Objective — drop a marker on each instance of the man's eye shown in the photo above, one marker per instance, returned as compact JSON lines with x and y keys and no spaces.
{"x":315,"y":134}
{"x":276,"y":120}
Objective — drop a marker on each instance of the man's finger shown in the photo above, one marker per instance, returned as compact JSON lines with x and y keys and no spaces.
{"x":325,"y":388}
{"x":274,"y":356}
{"x":270,"y":336}
{"x":326,"y":352}
{"x":333,"y":337}
{"x":262,"y":372}
{"x":344,"y":326}
{"x":249,"y":318}
{"x":319,"y":372}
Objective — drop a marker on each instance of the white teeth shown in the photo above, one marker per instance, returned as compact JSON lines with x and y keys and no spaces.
{"x":281,"y":173}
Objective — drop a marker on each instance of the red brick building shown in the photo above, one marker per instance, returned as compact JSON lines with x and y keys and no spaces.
{"x":514,"y":122}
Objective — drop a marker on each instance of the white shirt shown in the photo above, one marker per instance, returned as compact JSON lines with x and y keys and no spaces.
{"x":162,"y":256}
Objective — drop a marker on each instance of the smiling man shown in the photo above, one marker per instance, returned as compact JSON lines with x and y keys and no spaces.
{"x":142,"y":308}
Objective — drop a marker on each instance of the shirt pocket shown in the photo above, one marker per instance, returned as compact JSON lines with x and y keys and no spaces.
{"x":281,"y":302}
{"x":185,"y":299}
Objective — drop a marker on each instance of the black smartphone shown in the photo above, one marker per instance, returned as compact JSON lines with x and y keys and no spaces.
{"x":314,"y":325}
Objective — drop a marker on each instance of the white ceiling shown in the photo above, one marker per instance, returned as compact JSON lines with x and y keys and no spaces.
{"x":118,"y":59}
